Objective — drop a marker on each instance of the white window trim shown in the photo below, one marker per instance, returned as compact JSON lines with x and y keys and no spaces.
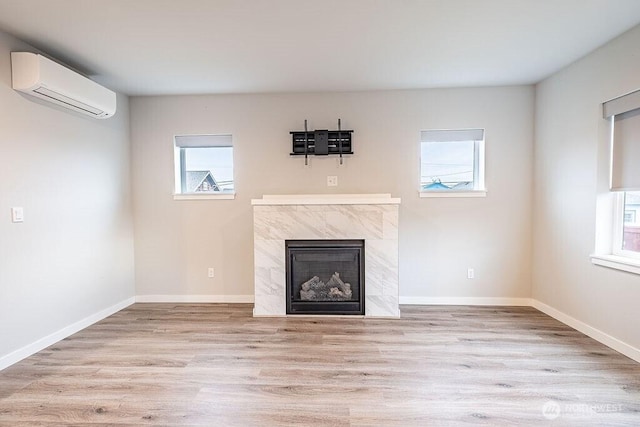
{"x":478,"y":178}
{"x":617,"y":258}
{"x":453,"y":193}
{"x":617,"y":262}
{"x":204,"y":196}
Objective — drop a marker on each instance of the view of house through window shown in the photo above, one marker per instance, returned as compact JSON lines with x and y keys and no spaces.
{"x":631,"y":224}
{"x":208,"y":169}
{"x":451,"y":160}
{"x":204,"y":164}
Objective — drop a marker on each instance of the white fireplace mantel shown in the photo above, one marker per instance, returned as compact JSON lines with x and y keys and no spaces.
{"x":325,"y":199}
{"x":370,"y":217}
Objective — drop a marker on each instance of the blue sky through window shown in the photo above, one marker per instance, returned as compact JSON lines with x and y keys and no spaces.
{"x":450,"y":163}
{"x":218,"y":160}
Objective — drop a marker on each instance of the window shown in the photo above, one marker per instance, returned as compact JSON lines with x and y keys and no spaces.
{"x":204,"y":166}
{"x":627,"y":232}
{"x":617,"y":227}
{"x":452,"y":163}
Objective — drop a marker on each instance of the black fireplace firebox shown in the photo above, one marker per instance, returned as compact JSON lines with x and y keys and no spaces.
{"x":325,"y":276}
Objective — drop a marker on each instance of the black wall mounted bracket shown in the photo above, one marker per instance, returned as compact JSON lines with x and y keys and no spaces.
{"x":321,"y":142}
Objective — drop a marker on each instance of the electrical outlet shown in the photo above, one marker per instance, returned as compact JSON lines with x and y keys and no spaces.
{"x":470,"y":273}
{"x":332,"y":181}
{"x":17,"y":214}
{"x":211,"y":272}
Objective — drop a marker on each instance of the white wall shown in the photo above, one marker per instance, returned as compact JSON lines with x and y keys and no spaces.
{"x":571,"y":172}
{"x":72,"y":258}
{"x":439,"y":238}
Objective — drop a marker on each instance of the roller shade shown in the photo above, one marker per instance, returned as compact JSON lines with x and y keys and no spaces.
{"x":624,"y":114}
{"x":452,"y":135}
{"x":621,"y":104}
{"x":195,"y":141}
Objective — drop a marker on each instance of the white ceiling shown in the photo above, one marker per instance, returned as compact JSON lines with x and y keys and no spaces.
{"x":146,"y":47}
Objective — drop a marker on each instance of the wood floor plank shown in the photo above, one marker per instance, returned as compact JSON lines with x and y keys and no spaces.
{"x":214,"y":364}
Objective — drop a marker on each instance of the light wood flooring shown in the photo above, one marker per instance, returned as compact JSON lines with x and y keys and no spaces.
{"x":216,"y":365}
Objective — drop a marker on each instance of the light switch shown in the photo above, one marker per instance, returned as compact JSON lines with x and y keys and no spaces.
{"x":332,"y":181}
{"x":17,"y":214}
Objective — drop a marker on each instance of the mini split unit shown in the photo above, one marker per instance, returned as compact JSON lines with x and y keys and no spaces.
{"x":43,"y":78}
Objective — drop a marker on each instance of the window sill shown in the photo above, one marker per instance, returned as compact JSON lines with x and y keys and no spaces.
{"x":207,"y":196}
{"x":616,"y":262}
{"x":475,"y":193}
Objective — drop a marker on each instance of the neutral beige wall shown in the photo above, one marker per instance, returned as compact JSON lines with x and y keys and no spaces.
{"x":73,"y":255}
{"x":571,"y":171}
{"x":439,"y":238}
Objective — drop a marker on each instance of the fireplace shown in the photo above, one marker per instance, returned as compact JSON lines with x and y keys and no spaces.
{"x":369,"y":217}
{"x":325,"y":276}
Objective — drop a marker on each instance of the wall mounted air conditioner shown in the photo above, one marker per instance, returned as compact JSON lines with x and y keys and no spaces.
{"x":41,"y":77}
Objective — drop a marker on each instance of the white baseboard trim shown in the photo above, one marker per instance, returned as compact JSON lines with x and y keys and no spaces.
{"x":590,"y":331}
{"x":42,"y":343}
{"x":465,"y":301}
{"x":234,"y":299}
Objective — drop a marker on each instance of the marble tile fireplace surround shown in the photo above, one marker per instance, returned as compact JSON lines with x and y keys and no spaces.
{"x":370,"y":217}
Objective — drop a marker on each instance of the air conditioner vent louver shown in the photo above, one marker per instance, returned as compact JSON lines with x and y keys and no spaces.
{"x":70,"y":102}
{"x":38,"y":76}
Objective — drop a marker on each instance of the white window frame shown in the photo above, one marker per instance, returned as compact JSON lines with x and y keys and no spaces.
{"x":180,"y":174}
{"x":618,"y":229}
{"x":479,"y":189}
{"x":612,"y":255}
{"x":610,"y":229}
{"x":610,"y":206}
